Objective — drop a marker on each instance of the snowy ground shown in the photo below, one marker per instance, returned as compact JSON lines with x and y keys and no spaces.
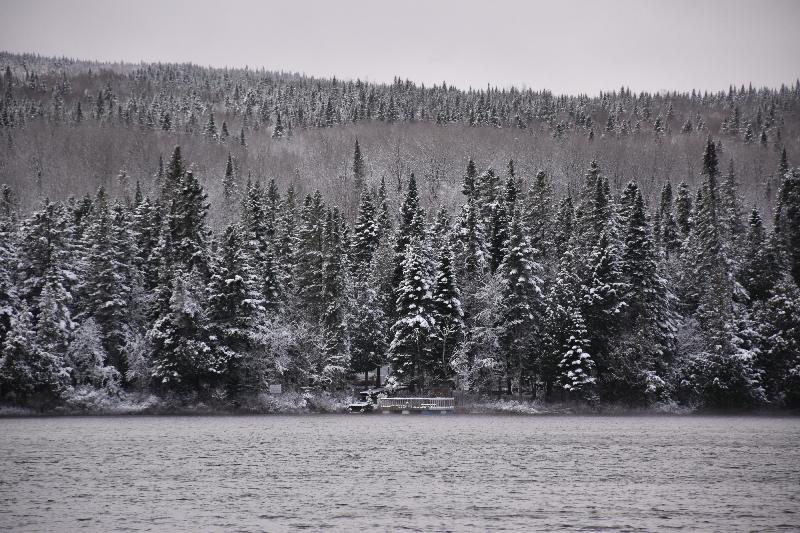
{"x":92,"y":402}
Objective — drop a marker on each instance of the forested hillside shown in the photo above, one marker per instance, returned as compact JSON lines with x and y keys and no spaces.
{"x":629,"y":248}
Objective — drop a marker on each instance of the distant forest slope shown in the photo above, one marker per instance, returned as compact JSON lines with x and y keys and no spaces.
{"x":69,"y":126}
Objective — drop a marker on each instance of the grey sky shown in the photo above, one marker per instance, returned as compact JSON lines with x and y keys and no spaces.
{"x":567,"y":46}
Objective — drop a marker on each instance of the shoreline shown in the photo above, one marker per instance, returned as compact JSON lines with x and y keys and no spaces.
{"x":295,"y":405}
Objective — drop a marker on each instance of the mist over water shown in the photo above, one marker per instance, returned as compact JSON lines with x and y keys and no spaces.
{"x":456,"y":473}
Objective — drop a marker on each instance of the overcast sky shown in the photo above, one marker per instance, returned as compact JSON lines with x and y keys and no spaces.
{"x":566,"y":46}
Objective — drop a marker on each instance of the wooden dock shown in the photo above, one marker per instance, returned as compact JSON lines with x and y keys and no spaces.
{"x":416,"y":405}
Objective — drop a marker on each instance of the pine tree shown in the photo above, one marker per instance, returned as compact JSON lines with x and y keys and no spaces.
{"x":359,"y":169}
{"x":229,"y":183}
{"x":366,"y":235}
{"x":522,"y":305}
{"x":188,"y":233}
{"x":210,"y":129}
{"x":309,"y":260}
{"x":27,"y":374}
{"x":759,"y":269}
{"x":669,"y":225}
{"x":146,"y":227}
{"x":87,"y":358}
{"x":715,"y":292}
{"x":538,"y":216}
{"x":731,"y":206}
{"x":447,"y":313}
{"x":9,"y":296}
{"x":384,"y":220}
{"x":787,"y":221}
{"x":603,"y":305}
{"x":171,"y":182}
{"x":410,"y":226}
{"x":577,"y":365}
{"x":335,"y":316}
{"x":473,"y":258}
{"x":231,"y":309}
{"x":469,"y":188}
{"x":368,"y":320}
{"x":414,"y":330}
{"x":182,"y":356}
{"x":683,"y":209}
{"x":47,"y":251}
{"x":278,"y":132}
{"x":778,"y":359}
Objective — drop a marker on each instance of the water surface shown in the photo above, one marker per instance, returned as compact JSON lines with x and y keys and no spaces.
{"x":382,"y":472}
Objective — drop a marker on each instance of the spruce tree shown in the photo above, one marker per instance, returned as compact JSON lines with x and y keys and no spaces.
{"x":759,"y":268}
{"x":359,"y":169}
{"x":366,"y":233}
{"x":683,"y":209}
{"x":27,"y":374}
{"x":468,"y":187}
{"x":309,"y":259}
{"x":787,"y":221}
{"x":577,"y":365}
{"x":447,"y":313}
{"x":335,"y":316}
{"x":409,"y":227}
{"x":182,"y":356}
{"x":171,"y":182}
{"x":228,"y":184}
{"x":538,"y":216}
{"x":231,"y":309}
{"x":522,"y":305}
{"x":413,"y":331}
{"x":186,"y":221}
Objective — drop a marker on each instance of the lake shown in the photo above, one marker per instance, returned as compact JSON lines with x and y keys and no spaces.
{"x":381,"y":472}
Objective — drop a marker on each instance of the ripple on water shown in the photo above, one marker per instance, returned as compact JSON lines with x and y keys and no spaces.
{"x":402,"y":473}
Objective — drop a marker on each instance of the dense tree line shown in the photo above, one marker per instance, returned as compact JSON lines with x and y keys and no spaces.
{"x":593,"y":295}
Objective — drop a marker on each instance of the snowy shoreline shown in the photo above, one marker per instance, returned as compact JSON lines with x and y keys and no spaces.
{"x":297,"y":404}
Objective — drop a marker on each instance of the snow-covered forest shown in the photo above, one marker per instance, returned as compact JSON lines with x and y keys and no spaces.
{"x":203,"y":233}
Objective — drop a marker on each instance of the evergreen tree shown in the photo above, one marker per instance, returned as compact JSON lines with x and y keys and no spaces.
{"x":359,"y":169}
{"x":448,"y":316}
{"x":335,"y":316}
{"x":87,"y":359}
{"x":538,"y":216}
{"x":522,"y":305}
{"x":787,"y":221}
{"x":759,"y":269}
{"x":469,"y":186}
{"x":414,"y":330}
{"x":171,"y":182}
{"x":27,"y":374}
{"x":731,"y":206}
{"x":577,"y":365}
{"x":278,"y":132}
{"x":779,"y":357}
{"x":210,"y":129}
{"x":310,"y":259}
{"x":229,"y":183}
{"x":369,"y":326}
{"x":384,"y":220}
{"x":188,"y":233}
{"x":9,"y":297}
{"x":410,"y":226}
{"x":231,"y":310}
{"x":182,"y":356}
{"x":366,"y":235}
{"x":712,"y":275}
{"x":683,"y":209}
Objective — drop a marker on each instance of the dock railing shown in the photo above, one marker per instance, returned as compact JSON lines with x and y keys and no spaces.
{"x":417,"y":404}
